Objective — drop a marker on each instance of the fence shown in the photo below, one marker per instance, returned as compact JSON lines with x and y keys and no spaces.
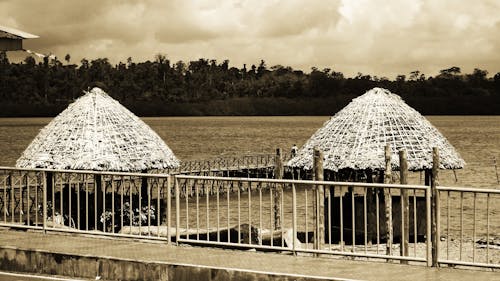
{"x":469,"y":226}
{"x":297,"y":216}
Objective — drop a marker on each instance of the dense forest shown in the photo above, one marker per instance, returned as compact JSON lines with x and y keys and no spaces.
{"x":209,"y":87}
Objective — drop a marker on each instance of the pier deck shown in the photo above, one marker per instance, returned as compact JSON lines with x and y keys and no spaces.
{"x":89,"y":257}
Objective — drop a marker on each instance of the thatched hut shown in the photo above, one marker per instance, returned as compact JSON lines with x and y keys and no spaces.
{"x":355,"y":137}
{"x":353,"y":143}
{"x":97,"y":133}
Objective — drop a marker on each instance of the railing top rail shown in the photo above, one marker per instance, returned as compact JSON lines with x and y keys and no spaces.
{"x":327,"y":183}
{"x":468,"y":189}
{"x":160,"y":175}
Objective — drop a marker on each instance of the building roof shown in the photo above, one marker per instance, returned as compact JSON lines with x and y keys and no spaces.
{"x":97,"y":133}
{"x":11,"y":33}
{"x":355,"y":138}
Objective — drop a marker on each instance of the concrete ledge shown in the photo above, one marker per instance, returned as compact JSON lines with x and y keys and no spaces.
{"x":109,"y":268}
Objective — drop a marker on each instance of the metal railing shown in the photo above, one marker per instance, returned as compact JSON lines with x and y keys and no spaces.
{"x":297,"y":216}
{"x":469,"y":226}
{"x":282,"y":215}
{"x":223,"y":164}
{"x":104,"y":203}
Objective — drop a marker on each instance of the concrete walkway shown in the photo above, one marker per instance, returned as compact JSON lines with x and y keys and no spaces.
{"x":270,"y":265}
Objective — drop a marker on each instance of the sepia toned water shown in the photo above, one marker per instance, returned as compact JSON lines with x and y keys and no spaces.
{"x":476,"y":138}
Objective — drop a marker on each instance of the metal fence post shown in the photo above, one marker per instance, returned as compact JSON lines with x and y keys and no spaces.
{"x":278,"y":174}
{"x":319,"y":202}
{"x":388,"y":200}
{"x":177,"y":210}
{"x":44,"y":201}
{"x":405,"y":210}
{"x":435,"y":207}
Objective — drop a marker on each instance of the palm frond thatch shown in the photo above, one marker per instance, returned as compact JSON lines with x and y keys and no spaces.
{"x":97,"y":133}
{"x":355,"y":137}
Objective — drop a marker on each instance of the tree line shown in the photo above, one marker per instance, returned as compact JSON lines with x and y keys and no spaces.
{"x":210,"y":87}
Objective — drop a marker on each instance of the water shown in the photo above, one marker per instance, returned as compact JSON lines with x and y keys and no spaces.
{"x":477,"y":138}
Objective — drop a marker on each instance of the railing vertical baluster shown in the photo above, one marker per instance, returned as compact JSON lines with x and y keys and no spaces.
{"x":329,"y":207}
{"x":148,"y":209}
{"x":103,"y":186}
{"x":228,"y":213}
{"x":239,"y":212}
{"x":365,"y":220}
{"x":487,"y":228}
{"x":12,"y":199}
{"x":207,"y":202}
{"x":448,"y":237}
{"x":44,"y":201}
{"x":260,"y":212}
{"x":197,"y":191}
{"x":187,"y":208}
{"x":461,"y":223}
{"x":36,"y":200}
{"x":271,"y":217}
{"x":217,"y":190}
{"x":78,"y":201}
{"x":28,"y":199}
{"x":307,"y":228}
{"x":250,"y":212}
{"x":112,"y":204}
{"x":177,"y":211}
{"x":474,"y":228}
{"x":415,"y":229}
{"x":96,"y":191}
{"x":294,"y":218}
{"x":122,"y":187}
{"x":53,"y":207}
{"x":428,"y":227}
{"x":169,"y":207}
{"x":86,"y":202}
{"x":130,"y":202}
{"x":4,"y":205}
{"x":353,"y":221}
{"x":341,"y":219}
{"x":69,"y":199}
{"x":61,"y":198}
{"x":282,"y":215}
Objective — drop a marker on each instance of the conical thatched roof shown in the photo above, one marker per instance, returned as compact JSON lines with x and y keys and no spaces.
{"x":355,"y":138}
{"x":97,"y":133}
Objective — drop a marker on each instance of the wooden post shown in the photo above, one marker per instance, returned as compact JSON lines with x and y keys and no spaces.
{"x":405,"y":206}
{"x":278,"y":174}
{"x":435,"y":207}
{"x":99,"y":198}
{"x":388,"y":200}
{"x":319,"y":200}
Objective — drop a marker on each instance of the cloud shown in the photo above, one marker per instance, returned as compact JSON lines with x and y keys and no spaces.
{"x":351,"y":36}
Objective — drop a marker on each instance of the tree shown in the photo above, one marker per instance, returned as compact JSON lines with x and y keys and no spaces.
{"x":67,"y":58}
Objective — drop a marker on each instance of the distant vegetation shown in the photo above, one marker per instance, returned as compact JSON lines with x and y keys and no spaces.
{"x":208,"y":87}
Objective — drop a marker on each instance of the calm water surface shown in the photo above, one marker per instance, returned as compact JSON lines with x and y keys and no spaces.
{"x":477,"y":138}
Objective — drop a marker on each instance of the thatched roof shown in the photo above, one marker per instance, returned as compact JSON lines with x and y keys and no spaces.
{"x":97,"y":133}
{"x":355,"y":138}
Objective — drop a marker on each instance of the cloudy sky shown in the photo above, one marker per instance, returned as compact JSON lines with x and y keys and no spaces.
{"x":382,"y":38}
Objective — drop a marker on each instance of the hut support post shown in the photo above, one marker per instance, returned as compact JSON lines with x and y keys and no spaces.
{"x":144,"y":189}
{"x":405,"y":206}
{"x":435,"y":207}
{"x":319,"y":200}
{"x":99,"y":198}
{"x":278,"y":174}
{"x":47,"y":181}
{"x":388,"y":200}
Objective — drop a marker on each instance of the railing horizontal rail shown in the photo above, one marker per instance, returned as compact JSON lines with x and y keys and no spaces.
{"x":307,"y":182}
{"x":468,"y":189}
{"x":163,"y":175}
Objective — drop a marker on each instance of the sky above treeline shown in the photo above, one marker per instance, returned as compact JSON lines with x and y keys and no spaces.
{"x":382,"y":38}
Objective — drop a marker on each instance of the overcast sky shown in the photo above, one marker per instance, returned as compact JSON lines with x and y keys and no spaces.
{"x":382,"y":38}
